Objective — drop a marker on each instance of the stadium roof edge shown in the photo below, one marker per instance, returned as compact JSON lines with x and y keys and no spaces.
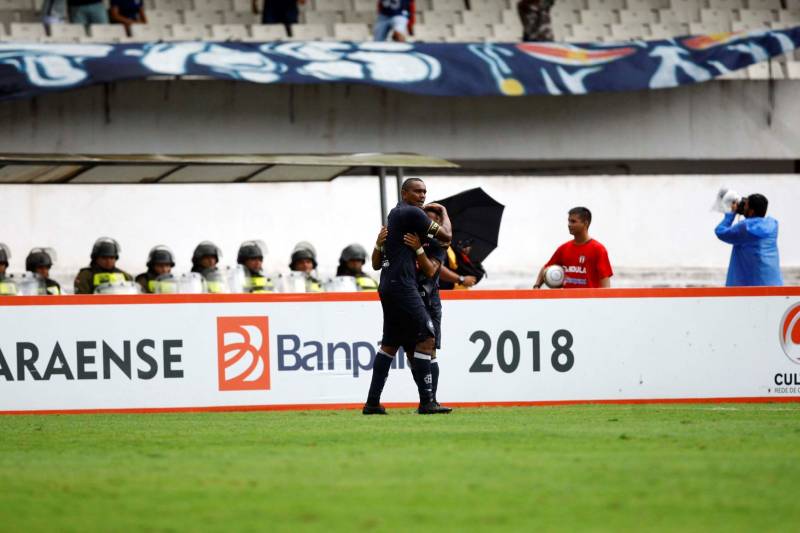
{"x":132,"y":169}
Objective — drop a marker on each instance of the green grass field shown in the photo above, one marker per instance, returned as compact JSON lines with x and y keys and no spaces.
{"x":599,"y":468}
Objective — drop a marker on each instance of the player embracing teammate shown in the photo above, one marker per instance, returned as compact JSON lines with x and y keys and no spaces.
{"x":407,"y":321}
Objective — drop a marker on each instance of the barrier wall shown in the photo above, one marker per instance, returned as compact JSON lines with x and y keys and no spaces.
{"x":283,"y":351}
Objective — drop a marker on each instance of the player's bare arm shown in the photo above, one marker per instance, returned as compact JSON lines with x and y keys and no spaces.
{"x":444,"y":231}
{"x":428,"y":266}
{"x":445,"y":274}
{"x":377,"y":252}
{"x":605,"y":283}
{"x":539,"y":279}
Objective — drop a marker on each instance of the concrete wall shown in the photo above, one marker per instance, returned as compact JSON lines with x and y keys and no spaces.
{"x":716,"y":120}
{"x":655,"y":224}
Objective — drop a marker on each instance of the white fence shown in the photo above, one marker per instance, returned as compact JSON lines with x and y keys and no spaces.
{"x":211,"y":352}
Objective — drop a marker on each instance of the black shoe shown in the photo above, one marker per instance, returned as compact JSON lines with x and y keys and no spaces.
{"x":373,"y":409}
{"x":433,"y":408}
{"x":446,"y":409}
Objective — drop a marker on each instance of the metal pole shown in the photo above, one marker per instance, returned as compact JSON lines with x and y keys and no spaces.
{"x":399,"y":179}
{"x":382,"y":182}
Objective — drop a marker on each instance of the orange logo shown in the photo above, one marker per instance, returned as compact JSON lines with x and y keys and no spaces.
{"x":790,"y":333}
{"x":243,"y":352}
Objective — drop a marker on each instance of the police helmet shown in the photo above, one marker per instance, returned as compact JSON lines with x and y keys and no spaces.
{"x":251,"y":250}
{"x":354,"y":251}
{"x":160,"y":254}
{"x":5,"y":254}
{"x":304,"y":250}
{"x":204,"y":249}
{"x":39,"y":257}
{"x":105,"y":247}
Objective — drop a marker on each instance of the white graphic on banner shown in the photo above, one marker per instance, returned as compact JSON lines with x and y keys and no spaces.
{"x":47,"y":65}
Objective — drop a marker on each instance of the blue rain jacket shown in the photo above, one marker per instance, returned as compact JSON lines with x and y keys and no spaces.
{"x":754,"y":258}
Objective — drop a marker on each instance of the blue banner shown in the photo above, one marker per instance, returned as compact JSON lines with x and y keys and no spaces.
{"x":452,"y":69}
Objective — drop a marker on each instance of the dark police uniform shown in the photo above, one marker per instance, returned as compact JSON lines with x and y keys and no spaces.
{"x":147,"y":281}
{"x":90,"y":277}
{"x":256,"y":282}
{"x":7,"y":287}
{"x":406,"y":321}
{"x":52,"y":287}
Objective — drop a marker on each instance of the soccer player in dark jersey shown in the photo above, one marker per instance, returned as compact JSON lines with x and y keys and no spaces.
{"x":430,"y":264}
{"x":406,"y":321}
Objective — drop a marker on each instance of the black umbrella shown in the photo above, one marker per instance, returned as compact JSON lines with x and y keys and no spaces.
{"x":476,"y":217}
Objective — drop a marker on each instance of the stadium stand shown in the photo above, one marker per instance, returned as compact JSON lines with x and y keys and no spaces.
{"x":229,"y":32}
{"x":107,"y":33}
{"x":436,"y":21}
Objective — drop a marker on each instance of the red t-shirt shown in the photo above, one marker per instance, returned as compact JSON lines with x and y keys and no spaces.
{"x":584,"y":264}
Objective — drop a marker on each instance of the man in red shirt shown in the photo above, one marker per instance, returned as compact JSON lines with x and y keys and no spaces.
{"x":585,"y":260}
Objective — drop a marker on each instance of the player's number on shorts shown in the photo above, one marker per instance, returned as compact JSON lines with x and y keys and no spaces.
{"x":508,"y":351}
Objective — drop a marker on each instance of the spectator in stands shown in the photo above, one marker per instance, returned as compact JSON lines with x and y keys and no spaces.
{"x":395,"y":19}
{"x":585,"y":261}
{"x":351,"y":263}
{"x":127,"y":12}
{"x":102,"y":268}
{"x":304,"y":259}
{"x":87,"y":12}
{"x":39,"y":261}
{"x":279,"y":12}
{"x":535,"y":18}
{"x":754,"y":258}
{"x":160,"y":261}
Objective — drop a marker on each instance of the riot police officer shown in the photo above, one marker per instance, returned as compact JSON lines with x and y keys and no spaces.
{"x":251,"y":257}
{"x":103,"y":267}
{"x":160,"y":261}
{"x":40,"y":261}
{"x":351,"y":263}
{"x":205,"y":257}
{"x":7,"y":287}
{"x":304,"y":259}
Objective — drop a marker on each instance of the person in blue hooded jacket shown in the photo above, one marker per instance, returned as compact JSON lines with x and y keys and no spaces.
{"x":754,"y":258}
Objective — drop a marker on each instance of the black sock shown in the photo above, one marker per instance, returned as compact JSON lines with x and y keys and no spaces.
{"x":435,"y":376}
{"x":414,"y":372}
{"x":380,"y":372}
{"x":422,"y":367}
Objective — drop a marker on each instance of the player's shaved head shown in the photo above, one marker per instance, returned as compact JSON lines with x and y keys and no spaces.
{"x":407,"y":184}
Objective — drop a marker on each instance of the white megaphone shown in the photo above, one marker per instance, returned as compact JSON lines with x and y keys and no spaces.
{"x":725,"y":199}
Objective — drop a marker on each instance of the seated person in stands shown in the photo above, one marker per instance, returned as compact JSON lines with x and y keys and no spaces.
{"x":127,"y":12}
{"x":39,"y":261}
{"x":204,"y":261}
{"x":351,"y":263}
{"x":395,"y":19}
{"x":160,"y":261}
{"x":102,"y":268}
{"x":304,"y":259}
